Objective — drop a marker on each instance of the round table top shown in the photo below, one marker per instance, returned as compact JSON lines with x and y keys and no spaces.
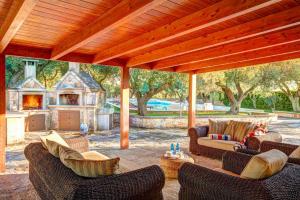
{"x":178,"y":160}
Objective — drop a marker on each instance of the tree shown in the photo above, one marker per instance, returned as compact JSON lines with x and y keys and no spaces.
{"x":238,"y":83}
{"x":145,"y":84}
{"x":105,"y":76}
{"x":206,"y":85}
{"x":286,"y":77}
{"x":14,"y":70}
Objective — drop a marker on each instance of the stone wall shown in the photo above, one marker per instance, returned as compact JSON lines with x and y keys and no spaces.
{"x":182,"y":122}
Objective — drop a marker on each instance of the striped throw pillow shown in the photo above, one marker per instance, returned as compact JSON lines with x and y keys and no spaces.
{"x":53,"y":146}
{"x":53,"y":136}
{"x":68,"y":153}
{"x":217,"y":127}
{"x":238,"y":130}
{"x":93,"y":168}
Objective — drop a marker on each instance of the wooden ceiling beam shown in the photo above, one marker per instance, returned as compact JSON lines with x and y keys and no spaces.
{"x":247,"y":63}
{"x":42,"y":53}
{"x":262,"y":42}
{"x":212,"y":15}
{"x":270,"y":23}
{"x":276,"y":49}
{"x":123,"y":12}
{"x":17,"y":14}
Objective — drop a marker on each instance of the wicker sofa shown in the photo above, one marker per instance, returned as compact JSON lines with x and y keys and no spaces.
{"x":198,"y":182}
{"x":52,"y":180}
{"x":216,"y":151}
{"x":268,"y":145}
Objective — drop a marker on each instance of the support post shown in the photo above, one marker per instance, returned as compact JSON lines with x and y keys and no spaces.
{"x":124,"y":112}
{"x":192,"y":100}
{"x":2,"y":113}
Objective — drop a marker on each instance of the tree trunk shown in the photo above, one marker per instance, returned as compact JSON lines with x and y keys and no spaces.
{"x":295,"y":103}
{"x":142,"y":105}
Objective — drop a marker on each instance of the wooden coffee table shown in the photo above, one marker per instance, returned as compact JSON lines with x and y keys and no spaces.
{"x":170,"y":166}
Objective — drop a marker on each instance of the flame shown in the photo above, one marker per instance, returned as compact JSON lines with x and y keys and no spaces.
{"x":32,"y":102}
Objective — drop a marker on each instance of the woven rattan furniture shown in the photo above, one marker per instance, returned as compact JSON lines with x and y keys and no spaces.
{"x":268,"y":145}
{"x":197,"y":182}
{"x":202,"y":131}
{"x":52,"y":180}
{"x":170,"y":166}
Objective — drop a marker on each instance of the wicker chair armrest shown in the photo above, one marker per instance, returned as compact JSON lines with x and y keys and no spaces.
{"x":200,"y":131}
{"x":284,"y":147}
{"x":294,"y":161}
{"x":212,"y":184}
{"x":145,"y":183}
{"x":79,"y":143}
{"x":235,"y":161}
{"x":255,"y":142}
{"x":247,"y":151}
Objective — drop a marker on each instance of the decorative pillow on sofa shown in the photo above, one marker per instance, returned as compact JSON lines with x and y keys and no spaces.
{"x":265,"y":165}
{"x":55,"y":137}
{"x":93,"y":168}
{"x":68,"y":153}
{"x":219,"y":137}
{"x":295,"y":153}
{"x":238,"y":129}
{"x":88,"y":164}
{"x":217,"y":127}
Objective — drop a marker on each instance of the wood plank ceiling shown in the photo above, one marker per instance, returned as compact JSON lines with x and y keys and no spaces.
{"x":169,"y":35}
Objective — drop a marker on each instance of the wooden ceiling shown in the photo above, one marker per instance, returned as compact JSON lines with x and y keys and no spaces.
{"x":169,"y":35}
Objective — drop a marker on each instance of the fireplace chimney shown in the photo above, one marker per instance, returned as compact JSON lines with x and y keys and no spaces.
{"x":73,"y":66}
{"x":30,"y":68}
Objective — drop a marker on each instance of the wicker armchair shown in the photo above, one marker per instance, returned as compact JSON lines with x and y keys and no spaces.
{"x":215,"y":153}
{"x":52,"y":180}
{"x":201,"y":183}
{"x":268,"y":145}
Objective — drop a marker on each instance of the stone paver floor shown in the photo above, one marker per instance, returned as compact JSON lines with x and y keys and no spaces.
{"x":146,"y":147}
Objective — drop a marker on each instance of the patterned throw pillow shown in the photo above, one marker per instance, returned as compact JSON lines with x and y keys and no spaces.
{"x":238,"y":130}
{"x":93,"y":168}
{"x":217,"y":127}
{"x":53,"y":136}
{"x":219,"y":137}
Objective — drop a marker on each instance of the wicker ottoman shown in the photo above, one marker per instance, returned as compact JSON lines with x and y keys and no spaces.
{"x":170,"y":166}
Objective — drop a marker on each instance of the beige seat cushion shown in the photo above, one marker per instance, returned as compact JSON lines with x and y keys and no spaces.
{"x":238,"y":129}
{"x":217,"y":126}
{"x":218,"y":144}
{"x":54,"y":137}
{"x":265,"y":165}
{"x":295,"y":153}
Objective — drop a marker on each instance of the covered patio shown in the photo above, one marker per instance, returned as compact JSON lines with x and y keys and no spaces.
{"x":184,"y":36}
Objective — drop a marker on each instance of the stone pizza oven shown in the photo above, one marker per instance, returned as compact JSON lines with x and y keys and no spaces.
{"x":74,"y":100}
{"x":29,"y":96}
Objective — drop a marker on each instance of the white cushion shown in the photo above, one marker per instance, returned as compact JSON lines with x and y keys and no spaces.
{"x":295,"y":153}
{"x":218,"y":144}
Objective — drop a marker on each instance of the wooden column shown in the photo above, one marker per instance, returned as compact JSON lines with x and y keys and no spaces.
{"x":192,"y":100}
{"x":124,"y":112}
{"x":2,"y":113}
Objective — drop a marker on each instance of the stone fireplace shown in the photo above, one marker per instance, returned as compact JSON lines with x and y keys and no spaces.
{"x":29,"y":97}
{"x":74,"y":100}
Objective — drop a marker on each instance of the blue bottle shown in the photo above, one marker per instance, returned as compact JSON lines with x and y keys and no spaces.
{"x":177,"y":148}
{"x":172,"y":149}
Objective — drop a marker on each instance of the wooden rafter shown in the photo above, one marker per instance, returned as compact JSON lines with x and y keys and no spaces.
{"x":217,"y":13}
{"x":255,"y":61}
{"x":17,"y":14}
{"x":42,"y":53}
{"x":124,"y":11}
{"x":276,"y":49}
{"x":240,"y":47}
{"x":284,"y":19}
